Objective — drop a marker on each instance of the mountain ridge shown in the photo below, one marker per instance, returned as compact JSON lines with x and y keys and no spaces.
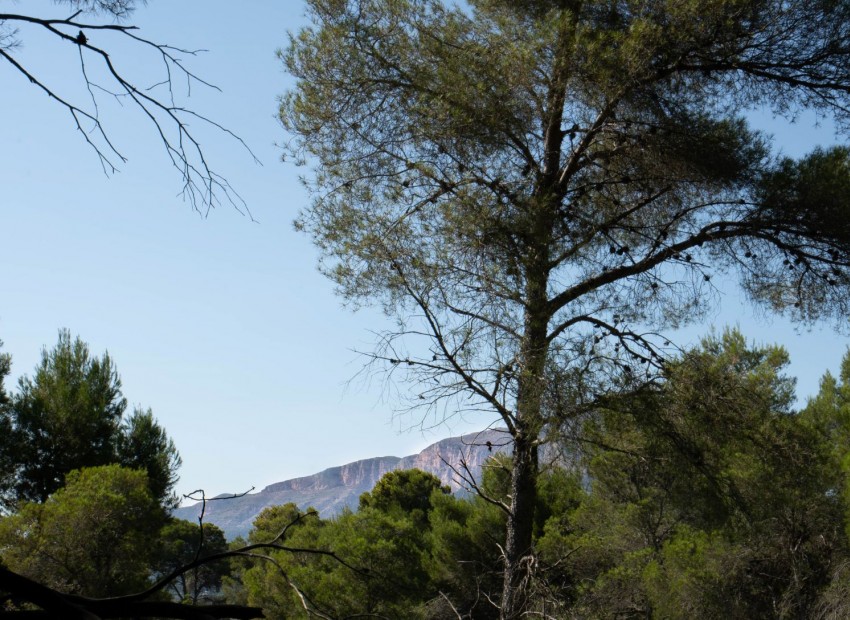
{"x":334,"y":489}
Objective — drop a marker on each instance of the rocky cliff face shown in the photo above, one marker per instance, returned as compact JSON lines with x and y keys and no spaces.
{"x":334,"y":489}
{"x":445,"y":457}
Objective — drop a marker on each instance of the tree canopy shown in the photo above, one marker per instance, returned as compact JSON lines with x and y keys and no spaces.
{"x":709,"y":496}
{"x":179,"y":544}
{"x":407,"y":490}
{"x":537,"y":189}
{"x":94,"y":536}
{"x":705,"y":495}
{"x":71,"y":414}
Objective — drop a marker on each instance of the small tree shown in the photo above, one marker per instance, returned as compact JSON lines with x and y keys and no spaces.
{"x":181,"y":543}
{"x":535,"y":189}
{"x":384,"y":548}
{"x":143,"y":444}
{"x":408,"y":491}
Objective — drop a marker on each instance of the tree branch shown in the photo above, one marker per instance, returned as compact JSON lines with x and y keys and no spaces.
{"x":203,"y":187}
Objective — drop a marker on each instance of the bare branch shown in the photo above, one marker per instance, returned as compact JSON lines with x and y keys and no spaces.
{"x":203,"y":187}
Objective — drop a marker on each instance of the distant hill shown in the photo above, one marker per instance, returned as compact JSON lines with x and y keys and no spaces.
{"x":334,"y":489}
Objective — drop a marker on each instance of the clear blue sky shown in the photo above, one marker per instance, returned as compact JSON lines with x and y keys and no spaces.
{"x":221,"y":325}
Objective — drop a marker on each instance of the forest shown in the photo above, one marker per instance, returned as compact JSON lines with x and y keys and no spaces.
{"x":706,"y":495}
{"x":538,"y":195}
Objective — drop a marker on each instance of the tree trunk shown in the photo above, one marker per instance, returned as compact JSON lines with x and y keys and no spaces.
{"x":519,"y":555}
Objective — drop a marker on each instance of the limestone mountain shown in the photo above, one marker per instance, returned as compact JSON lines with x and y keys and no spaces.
{"x":332,"y":490}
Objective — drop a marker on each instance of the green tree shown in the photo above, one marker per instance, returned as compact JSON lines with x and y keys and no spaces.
{"x":70,"y":415}
{"x":388,"y":551}
{"x":381,"y":556}
{"x":535,"y":188}
{"x":709,"y":497}
{"x":466,"y":535}
{"x":828,"y":413}
{"x":408,"y":491}
{"x":180,"y":543}
{"x":95,"y":536}
{"x":267,"y":583}
{"x":411,"y":550}
{"x":466,"y":560}
{"x":143,"y":444}
{"x":65,"y":417}
{"x":233,"y":590}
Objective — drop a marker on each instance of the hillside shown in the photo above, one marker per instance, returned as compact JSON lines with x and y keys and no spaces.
{"x":332,"y":490}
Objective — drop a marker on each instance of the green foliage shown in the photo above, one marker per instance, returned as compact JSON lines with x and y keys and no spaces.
{"x":266,"y":583}
{"x":233,"y":589}
{"x":65,"y":417}
{"x":180,"y":543}
{"x":708,"y":498}
{"x":143,"y":444}
{"x":384,"y":550}
{"x":821,"y":178}
{"x":828,"y":414}
{"x":703,"y":496}
{"x":388,"y":551}
{"x":70,"y":415}
{"x":465,"y":562}
{"x":690,"y":577}
{"x":407,"y":491}
{"x":411,"y":550}
{"x":94,"y":536}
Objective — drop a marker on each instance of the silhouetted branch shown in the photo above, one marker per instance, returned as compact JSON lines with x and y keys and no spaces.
{"x":203,"y":187}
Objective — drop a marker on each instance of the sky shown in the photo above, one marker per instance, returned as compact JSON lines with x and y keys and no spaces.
{"x":221,"y":323}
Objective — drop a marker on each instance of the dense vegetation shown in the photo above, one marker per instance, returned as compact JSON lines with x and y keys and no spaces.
{"x":703,"y":496}
{"x":86,"y":489}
